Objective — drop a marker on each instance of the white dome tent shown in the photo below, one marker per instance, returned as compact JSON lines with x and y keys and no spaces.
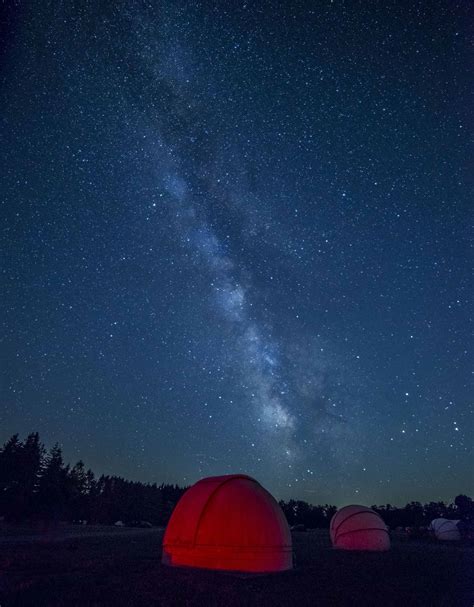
{"x":445,"y":529}
{"x":358,"y":528}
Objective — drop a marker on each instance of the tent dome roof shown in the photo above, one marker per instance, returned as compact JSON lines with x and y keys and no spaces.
{"x":358,"y":528}
{"x":445,"y":529}
{"x":228,"y":522}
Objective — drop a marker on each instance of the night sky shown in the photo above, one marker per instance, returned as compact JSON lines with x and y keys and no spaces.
{"x":235,"y":239}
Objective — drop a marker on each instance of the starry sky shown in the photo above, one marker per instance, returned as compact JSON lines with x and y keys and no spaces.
{"x":235,"y":239}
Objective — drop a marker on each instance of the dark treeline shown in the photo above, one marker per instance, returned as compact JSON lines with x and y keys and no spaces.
{"x":413,"y":514}
{"x":36,"y":485}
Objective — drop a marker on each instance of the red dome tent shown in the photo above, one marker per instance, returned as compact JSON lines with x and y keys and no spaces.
{"x":358,"y":528}
{"x":231,"y":523}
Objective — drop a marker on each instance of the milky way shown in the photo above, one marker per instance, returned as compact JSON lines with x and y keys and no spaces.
{"x":236,"y":241}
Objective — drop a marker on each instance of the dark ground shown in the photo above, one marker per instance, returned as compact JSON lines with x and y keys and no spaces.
{"x":108,"y":566}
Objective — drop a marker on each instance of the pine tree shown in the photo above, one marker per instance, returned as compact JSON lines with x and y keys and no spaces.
{"x":53,"y":486}
{"x":78,"y":492}
{"x":32,"y":457}
{"x":10,"y":455}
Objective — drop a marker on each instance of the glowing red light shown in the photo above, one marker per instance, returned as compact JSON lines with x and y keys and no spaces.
{"x":229,"y":523}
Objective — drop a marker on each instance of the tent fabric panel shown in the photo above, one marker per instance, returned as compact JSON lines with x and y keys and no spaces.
{"x":183,"y":525}
{"x":364,"y":539}
{"x":231,"y":559}
{"x":243,"y":514}
{"x":358,"y":521}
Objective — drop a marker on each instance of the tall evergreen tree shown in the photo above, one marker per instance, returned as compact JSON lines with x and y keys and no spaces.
{"x":32,"y":457}
{"x":53,"y":486}
{"x":78,"y":492}
{"x":10,"y":457}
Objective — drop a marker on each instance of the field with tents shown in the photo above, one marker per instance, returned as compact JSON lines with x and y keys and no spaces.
{"x":225,"y":541}
{"x":102,"y":565}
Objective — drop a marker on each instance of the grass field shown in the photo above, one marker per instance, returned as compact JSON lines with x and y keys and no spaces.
{"x":107,"y":566}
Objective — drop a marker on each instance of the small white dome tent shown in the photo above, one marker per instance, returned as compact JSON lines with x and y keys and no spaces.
{"x":358,"y":528}
{"x":445,"y":529}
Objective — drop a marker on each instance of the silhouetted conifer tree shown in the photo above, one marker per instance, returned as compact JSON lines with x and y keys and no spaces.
{"x":9,"y":475}
{"x":53,"y":486}
{"x":465,"y":507}
{"x":78,"y":492}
